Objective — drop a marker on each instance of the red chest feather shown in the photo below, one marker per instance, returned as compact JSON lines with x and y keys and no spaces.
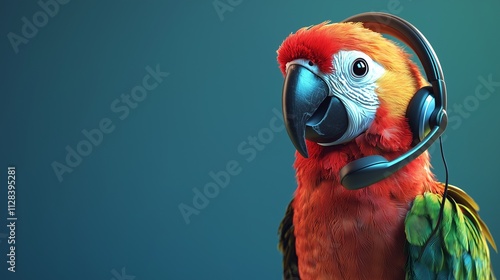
{"x":345,"y":234}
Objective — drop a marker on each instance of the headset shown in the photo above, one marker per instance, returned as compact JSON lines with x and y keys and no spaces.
{"x":426,"y":112}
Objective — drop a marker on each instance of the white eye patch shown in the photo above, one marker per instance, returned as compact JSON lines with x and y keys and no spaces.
{"x":354,"y":81}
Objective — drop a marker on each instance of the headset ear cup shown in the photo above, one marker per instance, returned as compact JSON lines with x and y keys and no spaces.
{"x":419,"y":113}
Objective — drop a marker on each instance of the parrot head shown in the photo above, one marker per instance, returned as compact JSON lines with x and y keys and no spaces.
{"x":346,"y":84}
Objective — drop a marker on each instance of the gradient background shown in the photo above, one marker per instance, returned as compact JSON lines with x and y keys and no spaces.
{"x":119,"y":207}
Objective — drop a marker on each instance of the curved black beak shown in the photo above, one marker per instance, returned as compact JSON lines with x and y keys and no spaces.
{"x":303,"y":92}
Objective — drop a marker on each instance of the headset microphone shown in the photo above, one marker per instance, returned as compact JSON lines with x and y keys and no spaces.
{"x":426,"y":112}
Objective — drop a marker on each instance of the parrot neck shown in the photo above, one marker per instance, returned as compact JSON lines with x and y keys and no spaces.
{"x":323,"y":167}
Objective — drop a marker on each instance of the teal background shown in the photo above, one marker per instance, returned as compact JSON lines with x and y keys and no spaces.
{"x":119,"y":207}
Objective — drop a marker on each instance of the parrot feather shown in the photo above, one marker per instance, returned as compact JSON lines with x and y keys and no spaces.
{"x":287,"y":246}
{"x":459,"y":250}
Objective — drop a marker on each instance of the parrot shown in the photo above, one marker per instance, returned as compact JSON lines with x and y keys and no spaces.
{"x":355,"y":86}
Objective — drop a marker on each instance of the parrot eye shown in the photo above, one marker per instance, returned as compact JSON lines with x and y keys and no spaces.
{"x":359,"y":67}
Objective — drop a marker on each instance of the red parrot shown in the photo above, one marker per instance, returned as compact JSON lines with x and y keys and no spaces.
{"x":358,"y":85}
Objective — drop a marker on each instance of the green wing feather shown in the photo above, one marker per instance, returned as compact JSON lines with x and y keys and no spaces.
{"x":459,"y":250}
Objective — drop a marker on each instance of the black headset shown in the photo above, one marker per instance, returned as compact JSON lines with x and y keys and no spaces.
{"x":426,"y":112}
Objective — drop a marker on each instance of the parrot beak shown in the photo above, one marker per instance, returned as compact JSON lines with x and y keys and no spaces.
{"x":303,"y":93}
